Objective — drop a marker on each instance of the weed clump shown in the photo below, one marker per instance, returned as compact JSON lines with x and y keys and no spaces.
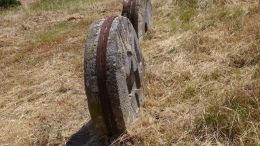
{"x":234,"y":121}
{"x":9,"y":3}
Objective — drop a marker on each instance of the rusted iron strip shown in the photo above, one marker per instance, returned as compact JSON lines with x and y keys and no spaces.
{"x":126,"y":9}
{"x":129,"y":10}
{"x":105,"y":102}
{"x":132,"y":14}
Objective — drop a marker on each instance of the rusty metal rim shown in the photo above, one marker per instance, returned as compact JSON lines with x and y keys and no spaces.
{"x":132,"y":14}
{"x":126,"y":9}
{"x":129,"y":10}
{"x":106,"y":107}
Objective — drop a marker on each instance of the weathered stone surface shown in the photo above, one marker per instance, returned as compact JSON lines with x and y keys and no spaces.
{"x":146,"y":17}
{"x":143,"y":17}
{"x":124,"y":74}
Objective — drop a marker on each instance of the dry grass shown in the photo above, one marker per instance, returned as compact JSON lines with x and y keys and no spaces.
{"x":202,"y":70}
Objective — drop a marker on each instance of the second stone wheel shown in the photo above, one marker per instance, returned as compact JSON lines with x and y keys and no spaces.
{"x":140,"y":14}
{"x":113,"y":75}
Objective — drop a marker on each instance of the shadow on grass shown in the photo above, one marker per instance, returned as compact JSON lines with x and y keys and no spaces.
{"x":86,"y":137}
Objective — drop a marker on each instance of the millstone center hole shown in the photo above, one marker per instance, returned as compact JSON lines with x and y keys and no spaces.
{"x":133,"y":79}
{"x":145,"y":28}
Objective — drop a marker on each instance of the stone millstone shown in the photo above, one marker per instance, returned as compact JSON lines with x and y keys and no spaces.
{"x":124,"y":63}
{"x":143,"y":16}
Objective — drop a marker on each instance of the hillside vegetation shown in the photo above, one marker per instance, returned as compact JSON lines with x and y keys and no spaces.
{"x":202,"y":73}
{"x":9,"y":3}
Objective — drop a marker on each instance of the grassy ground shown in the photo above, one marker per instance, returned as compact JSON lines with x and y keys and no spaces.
{"x":202,"y":70}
